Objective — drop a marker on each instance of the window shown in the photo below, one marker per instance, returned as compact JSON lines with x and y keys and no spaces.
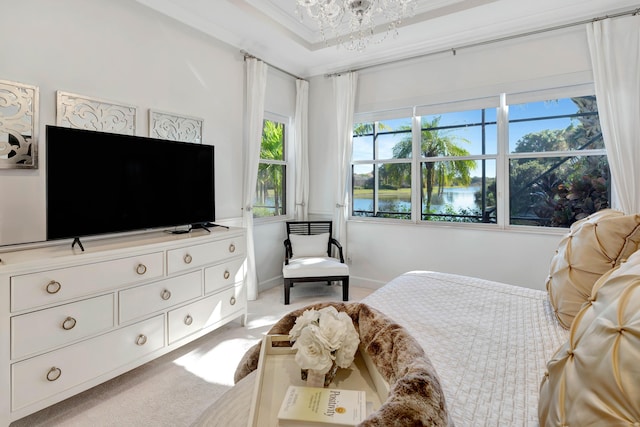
{"x":558,"y":169}
{"x":449,"y":163}
{"x":381,"y":178}
{"x":458,"y":153}
{"x":271,"y":195}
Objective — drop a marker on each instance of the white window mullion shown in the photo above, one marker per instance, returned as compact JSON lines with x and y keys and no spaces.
{"x":502,"y":164}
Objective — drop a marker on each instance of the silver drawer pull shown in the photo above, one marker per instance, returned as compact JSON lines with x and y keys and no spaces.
{"x":232,"y":301}
{"x":165,"y":295}
{"x":188,"y":320}
{"x":187,"y":259}
{"x":226,"y":274}
{"x":141,"y":340}
{"x":54,"y":373}
{"x":232,"y":248}
{"x":141,"y":269}
{"x":53,"y":287}
{"x":69,"y":323}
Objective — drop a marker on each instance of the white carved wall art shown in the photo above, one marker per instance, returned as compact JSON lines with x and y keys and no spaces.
{"x":19,"y":105}
{"x":175,"y":127}
{"x":78,"y":111}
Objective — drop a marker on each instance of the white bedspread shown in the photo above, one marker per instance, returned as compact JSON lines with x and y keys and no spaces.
{"x":488,"y":341}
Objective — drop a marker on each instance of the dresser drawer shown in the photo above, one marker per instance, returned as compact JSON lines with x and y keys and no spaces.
{"x":44,"y":376}
{"x":198,"y":255}
{"x":146,"y":299}
{"x":223,"y":275}
{"x":53,"y":286}
{"x":56,"y":326}
{"x":192,"y":318}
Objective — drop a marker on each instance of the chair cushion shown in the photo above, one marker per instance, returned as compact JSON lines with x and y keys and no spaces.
{"x":593,"y":246}
{"x":312,"y":245}
{"x":314,"y":267}
{"x":592,"y":380}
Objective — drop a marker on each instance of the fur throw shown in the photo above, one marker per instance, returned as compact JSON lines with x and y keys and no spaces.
{"x":415,"y":396}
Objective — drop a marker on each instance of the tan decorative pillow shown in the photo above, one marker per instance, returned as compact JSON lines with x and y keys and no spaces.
{"x":593,"y":380}
{"x":593,"y":246}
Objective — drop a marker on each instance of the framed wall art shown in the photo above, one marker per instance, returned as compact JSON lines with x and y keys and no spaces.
{"x":175,"y":127}
{"x":82,"y":112}
{"x":19,"y":105}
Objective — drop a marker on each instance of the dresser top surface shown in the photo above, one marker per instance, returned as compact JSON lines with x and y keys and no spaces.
{"x":97,"y":247}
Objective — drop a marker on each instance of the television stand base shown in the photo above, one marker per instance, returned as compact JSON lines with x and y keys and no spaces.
{"x":205,"y":226}
{"x":77,"y":241}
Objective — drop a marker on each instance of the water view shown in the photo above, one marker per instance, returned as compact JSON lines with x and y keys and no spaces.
{"x":457,"y":198}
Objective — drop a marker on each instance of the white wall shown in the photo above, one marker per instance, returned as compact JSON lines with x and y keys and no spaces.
{"x":118,"y":50}
{"x":379,"y":251}
{"x":121,"y":51}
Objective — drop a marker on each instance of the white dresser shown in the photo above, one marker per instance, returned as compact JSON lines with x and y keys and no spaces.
{"x":71,"y":319}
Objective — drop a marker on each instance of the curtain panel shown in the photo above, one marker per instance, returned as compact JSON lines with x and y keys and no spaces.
{"x":344,"y":87}
{"x":614,"y":45}
{"x":300,"y":147}
{"x":256,"y":81}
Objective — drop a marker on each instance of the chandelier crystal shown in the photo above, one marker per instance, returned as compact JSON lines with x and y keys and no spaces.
{"x":353,"y":23}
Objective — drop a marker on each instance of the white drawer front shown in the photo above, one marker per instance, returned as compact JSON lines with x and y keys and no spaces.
{"x":192,"y":318}
{"x":223,"y":275}
{"x":35,"y":379}
{"x":44,"y":329}
{"x":142,"y":300}
{"x":198,"y":255}
{"x":52,"y":286}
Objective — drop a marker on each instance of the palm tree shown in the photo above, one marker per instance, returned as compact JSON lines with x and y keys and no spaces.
{"x":435,"y":142}
{"x":270,"y":175}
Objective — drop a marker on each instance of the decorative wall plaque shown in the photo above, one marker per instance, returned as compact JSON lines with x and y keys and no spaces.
{"x":78,"y":111}
{"x":175,"y":127}
{"x":19,"y":106}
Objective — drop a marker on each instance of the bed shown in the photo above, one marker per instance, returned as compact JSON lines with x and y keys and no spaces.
{"x":488,"y":342}
{"x":505,"y":355}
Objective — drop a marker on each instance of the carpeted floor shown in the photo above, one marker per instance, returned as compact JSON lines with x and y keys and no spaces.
{"x":174,"y":389}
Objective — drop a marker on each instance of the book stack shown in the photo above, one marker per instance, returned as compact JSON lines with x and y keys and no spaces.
{"x":312,"y":406}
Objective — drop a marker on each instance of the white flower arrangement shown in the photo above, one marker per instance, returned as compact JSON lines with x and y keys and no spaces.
{"x":324,"y":337}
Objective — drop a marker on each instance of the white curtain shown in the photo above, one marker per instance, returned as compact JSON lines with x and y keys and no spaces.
{"x":615,"y":56}
{"x":256,"y":88}
{"x":300,"y":142}
{"x":344,"y":87}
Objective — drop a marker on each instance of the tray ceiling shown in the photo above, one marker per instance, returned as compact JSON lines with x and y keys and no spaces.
{"x":272,"y":31}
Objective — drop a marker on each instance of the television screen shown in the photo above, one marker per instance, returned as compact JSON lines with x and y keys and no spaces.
{"x":100,"y":182}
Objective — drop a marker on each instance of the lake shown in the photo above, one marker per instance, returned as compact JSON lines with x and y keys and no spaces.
{"x":456,"y":197}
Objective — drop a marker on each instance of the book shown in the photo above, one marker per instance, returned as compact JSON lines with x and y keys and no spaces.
{"x":314,"y":406}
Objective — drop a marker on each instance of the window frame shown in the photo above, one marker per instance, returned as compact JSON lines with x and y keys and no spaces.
{"x":286,"y":162}
{"x":503,"y":157}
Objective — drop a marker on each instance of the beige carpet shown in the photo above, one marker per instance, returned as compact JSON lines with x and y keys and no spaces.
{"x":174,"y":389}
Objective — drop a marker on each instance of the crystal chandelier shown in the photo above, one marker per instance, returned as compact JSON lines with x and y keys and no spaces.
{"x":353,"y":22}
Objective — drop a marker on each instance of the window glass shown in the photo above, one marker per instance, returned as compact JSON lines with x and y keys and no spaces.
{"x":393,"y":139}
{"x":461,"y":133}
{"x":459,"y":191}
{"x":382,"y":190}
{"x":555,"y":125}
{"x":270,"y":198}
{"x":557,"y":191}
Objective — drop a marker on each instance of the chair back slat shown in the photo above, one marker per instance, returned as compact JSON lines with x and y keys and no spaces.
{"x":309,"y":227}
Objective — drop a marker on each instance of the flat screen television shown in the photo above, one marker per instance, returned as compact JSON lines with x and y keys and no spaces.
{"x":99,"y":183}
